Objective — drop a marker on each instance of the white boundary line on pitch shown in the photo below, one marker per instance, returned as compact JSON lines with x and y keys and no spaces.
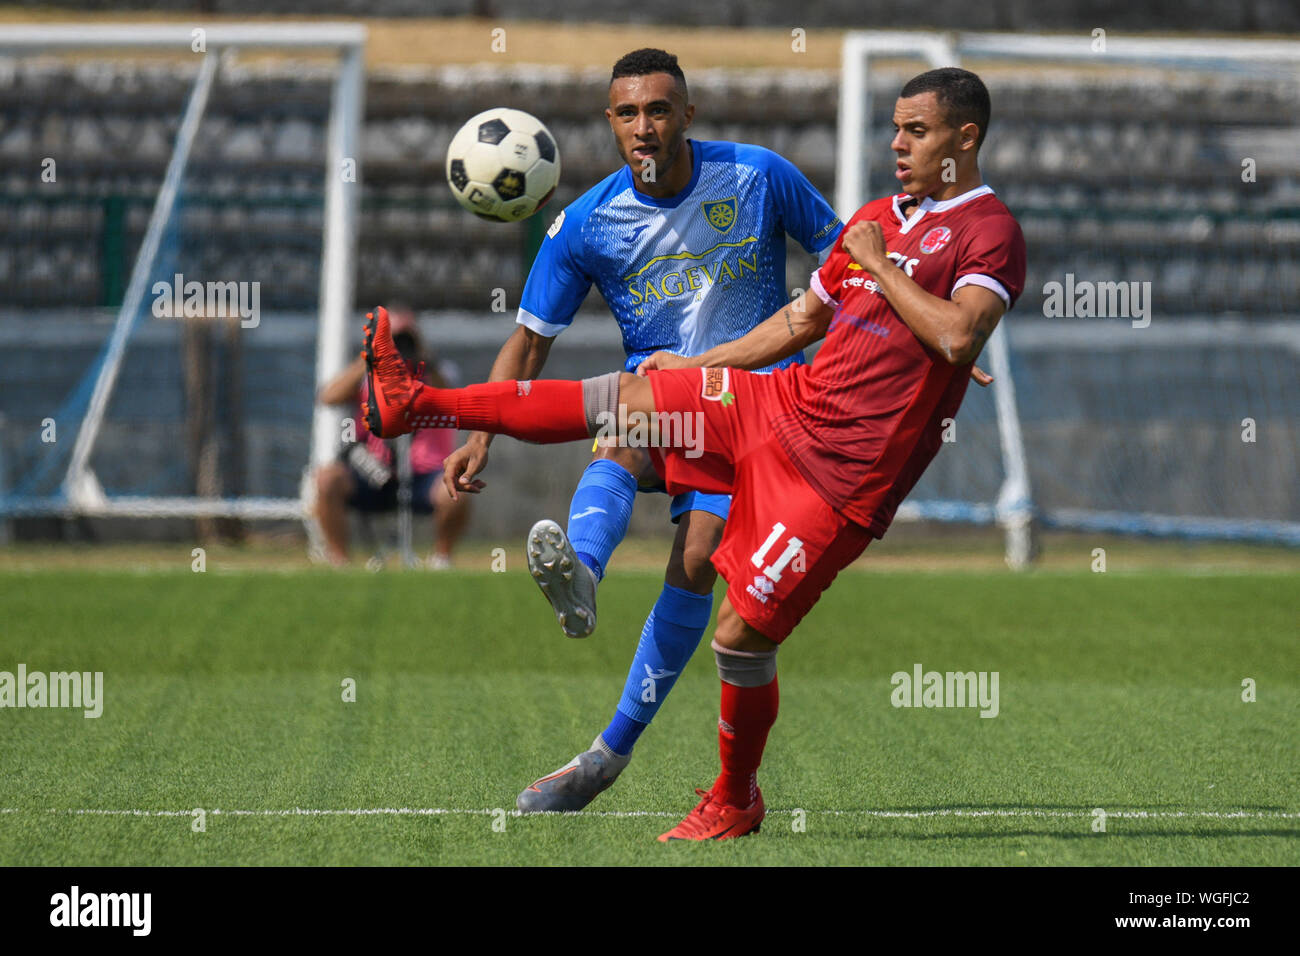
{"x":889,"y":814}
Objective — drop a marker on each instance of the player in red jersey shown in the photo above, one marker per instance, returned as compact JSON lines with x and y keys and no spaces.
{"x":817,"y":457}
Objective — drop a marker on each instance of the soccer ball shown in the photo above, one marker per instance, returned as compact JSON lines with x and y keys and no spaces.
{"x":503,"y":164}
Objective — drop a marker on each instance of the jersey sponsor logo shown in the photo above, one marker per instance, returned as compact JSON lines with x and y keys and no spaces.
{"x":858,"y":322}
{"x":897,"y":258}
{"x":556,"y":226}
{"x":936,"y":239}
{"x":862,"y":282}
{"x":720,"y":213}
{"x":716,"y":384}
{"x":904,"y":263}
{"x":821,"y":233}
{"x":632,"y":236}
{"x":694,"y":280}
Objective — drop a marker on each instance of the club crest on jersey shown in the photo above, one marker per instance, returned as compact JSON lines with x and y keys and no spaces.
{"x":935,"y":239}
{"x":716,"y":384}
{"x":721,"y":213}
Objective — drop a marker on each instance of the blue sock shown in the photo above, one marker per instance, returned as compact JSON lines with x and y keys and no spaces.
{"x":600,"y":511}
{"x":622,"y":733}
{"x":669,"y":638}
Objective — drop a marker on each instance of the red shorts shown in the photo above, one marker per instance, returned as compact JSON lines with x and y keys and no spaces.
{"x":783,"y":544}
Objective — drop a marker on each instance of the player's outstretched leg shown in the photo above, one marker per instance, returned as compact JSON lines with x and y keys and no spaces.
{"x":733,"y":806}
{"x":669,"y":637}
{"x":568,"y":583}
{"x":542,"y":411}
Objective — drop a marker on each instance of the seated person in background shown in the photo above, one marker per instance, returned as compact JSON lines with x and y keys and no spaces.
{"x":365,"y":475}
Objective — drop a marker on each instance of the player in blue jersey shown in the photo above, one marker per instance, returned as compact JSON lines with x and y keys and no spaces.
{"x":686,"y":243}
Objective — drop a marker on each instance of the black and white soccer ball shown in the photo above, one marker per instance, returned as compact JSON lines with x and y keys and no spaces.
{"x":503,"y":164}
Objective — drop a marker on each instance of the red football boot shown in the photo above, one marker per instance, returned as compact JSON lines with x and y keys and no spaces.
{"x":391,"y":385}
{"x":713,"y":820}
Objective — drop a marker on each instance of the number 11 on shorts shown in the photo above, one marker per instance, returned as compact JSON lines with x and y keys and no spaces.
{"x":773,"y":570}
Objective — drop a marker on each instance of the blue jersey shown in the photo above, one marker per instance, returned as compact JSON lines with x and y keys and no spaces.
{"x":684,"y":273}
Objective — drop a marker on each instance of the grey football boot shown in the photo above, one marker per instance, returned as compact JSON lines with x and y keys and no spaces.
{"x":575,"y":784}
{"x":568,"y":584}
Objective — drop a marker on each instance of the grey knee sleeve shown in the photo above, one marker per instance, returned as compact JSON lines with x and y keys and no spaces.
{"x":745,"y":668}
{"x":600,"y":403}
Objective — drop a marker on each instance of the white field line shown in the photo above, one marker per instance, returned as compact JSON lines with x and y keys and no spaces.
{"x":886,"y":814}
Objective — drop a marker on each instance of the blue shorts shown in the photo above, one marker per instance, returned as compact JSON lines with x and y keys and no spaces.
{"x":719,"y":505}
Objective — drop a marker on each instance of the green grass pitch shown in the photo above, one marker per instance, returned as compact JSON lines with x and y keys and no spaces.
{"x":223,"y":691}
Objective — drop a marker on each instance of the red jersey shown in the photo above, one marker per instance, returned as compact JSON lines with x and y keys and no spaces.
{"x":865,"y":419}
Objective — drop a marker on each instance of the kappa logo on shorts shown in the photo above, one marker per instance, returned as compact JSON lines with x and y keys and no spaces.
{"x":717,"y":385}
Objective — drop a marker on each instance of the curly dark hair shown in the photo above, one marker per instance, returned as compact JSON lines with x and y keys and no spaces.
{"x":962,"y":96}
{"x":646,"y":61}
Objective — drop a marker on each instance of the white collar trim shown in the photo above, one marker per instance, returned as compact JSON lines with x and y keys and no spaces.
{"x":929,"y":205}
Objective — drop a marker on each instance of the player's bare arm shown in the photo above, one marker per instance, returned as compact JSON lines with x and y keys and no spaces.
{"x":342,"y":388}
{"x":956,"y":328}
{"x":793,"y":327}
{"x":521,"y":357}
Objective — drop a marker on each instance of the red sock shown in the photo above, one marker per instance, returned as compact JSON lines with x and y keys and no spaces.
{"x":748,"y":713}
{"x":544,"y":412}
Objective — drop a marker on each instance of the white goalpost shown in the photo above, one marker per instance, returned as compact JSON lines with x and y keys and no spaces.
{"x":1159,"y":444}
{"x":80,"y":491}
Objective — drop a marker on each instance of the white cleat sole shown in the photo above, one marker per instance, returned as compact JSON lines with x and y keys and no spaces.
{"x":567,"y":583}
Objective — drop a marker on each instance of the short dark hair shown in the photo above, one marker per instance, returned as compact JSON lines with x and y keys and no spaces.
{"x":962,"y":96}
{"x":648,"y":60}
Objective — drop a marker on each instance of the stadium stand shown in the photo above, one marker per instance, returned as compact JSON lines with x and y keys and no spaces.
{"x":1243,"y":15}
{"x":1110,"y":176}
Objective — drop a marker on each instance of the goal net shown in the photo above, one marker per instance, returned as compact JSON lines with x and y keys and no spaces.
{"x":1149,"y":376}
{"x":225,"y":191}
